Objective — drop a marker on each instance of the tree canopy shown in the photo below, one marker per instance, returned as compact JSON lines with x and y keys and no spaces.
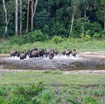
{"x":65,"y":18}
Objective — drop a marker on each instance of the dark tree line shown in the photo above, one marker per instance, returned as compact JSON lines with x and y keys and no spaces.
{"x":66,"y":18}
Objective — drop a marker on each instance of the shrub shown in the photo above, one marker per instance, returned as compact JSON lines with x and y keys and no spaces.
{"x":29,"y":38}
{"x":46,"y":29}
{"x":87,"y":37}
{"x":97,"y":35}
{"x":38,"y":36}
{"x":56,"y":39}
{"x":82,"y":35}
{"x":103,"y":34}
{"x":90,"y":100}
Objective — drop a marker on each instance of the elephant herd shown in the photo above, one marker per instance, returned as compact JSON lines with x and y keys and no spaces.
{"x":35,"y":53}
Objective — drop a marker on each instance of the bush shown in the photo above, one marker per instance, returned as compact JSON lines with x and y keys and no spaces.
{"x":56,"y":39}
{"x":82,"y":35}
{"x":39,"y":36}
{"x":92,"y":27}
{"x":87,"y":37}
{"x":97,"y":35}
{"x":29,"y":38}
{"x":103,"y":34}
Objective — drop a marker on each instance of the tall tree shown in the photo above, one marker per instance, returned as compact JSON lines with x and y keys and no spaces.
{"x":27,"y":22}
{"x":16,"y":17}
{"x":33,"y":11}
{"x":6,"y":18}
{"x":74,"y":6}
{"x":20,"y":17}
{"x":101,"y":11}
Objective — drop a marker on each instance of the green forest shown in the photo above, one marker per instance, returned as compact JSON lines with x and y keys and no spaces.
{"x":30,"y":21}
{"x":65,"y":18}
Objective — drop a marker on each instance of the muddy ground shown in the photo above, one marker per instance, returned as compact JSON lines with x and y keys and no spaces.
{"x":85,"y":62}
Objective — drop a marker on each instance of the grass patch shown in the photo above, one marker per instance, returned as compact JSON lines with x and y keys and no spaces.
{"x":79,"y":44}
{"x":51,"y":87}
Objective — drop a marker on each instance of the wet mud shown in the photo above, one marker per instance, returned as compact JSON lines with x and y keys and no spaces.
{"x":85,"y":61}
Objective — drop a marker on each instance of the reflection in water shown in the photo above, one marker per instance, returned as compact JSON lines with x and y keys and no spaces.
{"x":58,"y":62}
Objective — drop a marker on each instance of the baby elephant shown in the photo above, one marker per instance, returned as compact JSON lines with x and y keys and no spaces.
{"x":51,"y":54}
{"x":23,"y":56}
{"x":74,"y":53}
{"x":68,"y":52}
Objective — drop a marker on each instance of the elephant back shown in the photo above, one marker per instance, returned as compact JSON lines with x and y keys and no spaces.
{"x":13,"y":53}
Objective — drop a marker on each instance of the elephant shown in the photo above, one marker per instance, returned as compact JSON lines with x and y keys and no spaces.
{"x":33,"y":49}
{"x":55,"y":52}
{"x":13,"y":53}
{"x":51,"y":54}
{"x":34,"y":54}
{"x":48,"y":51}
{"x":68,"y":52}
{"x":17,"y":54}
{"x":74,"y":53}
{"x":30,"y":50}
{"x":23,"y":56}
{"x":64,"y":52}
{"x":41,"y":53}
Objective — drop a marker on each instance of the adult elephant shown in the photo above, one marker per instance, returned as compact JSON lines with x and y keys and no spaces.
{"x":31,"y":50}
{"x":34,"y":54}
{"x":13,"y":53}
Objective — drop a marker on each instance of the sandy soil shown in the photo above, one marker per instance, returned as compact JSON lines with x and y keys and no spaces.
{"x":99,"y":54}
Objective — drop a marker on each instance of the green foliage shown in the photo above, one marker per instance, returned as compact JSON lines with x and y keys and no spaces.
{"x":87,"y":37}
{"x":21,"y":94}
{"x":46,"y":29}
{"x":103,"y":34}
{"x":38,"y":36}
{"x":90,"y":100}
{"x":57,"y":39}
{"x":97,"y":35}
{"x":92,"y":28}
{"x":82,"y":35}
{"x":29,"y":38}
{"x":68,"y":43}
{"x":51,"y":88}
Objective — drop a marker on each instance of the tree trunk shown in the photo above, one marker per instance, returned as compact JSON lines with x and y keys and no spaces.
{"x":104,"y":21}
{"x":33,"y":11}
{"x":72,"y":22}
{"x":16,"y":17}
{"x":6,"y":19}
{"x":20,"y":17}
{"x":27,"y":23}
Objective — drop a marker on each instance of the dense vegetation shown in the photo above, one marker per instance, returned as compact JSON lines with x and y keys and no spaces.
{"x":79,"y":44}
{"x":53,"y":22}
{"x":65,"y":18}
{"x":51,"y":87}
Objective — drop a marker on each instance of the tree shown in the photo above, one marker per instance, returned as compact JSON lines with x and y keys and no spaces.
{"x":27,"y":22}
{"x":6,"y":18}
{"x":74,"y":6}
{"x":16,"y":17}
{"x":101,"y":11}
{"x":20,"y":17}
{"x":33,"y":11}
